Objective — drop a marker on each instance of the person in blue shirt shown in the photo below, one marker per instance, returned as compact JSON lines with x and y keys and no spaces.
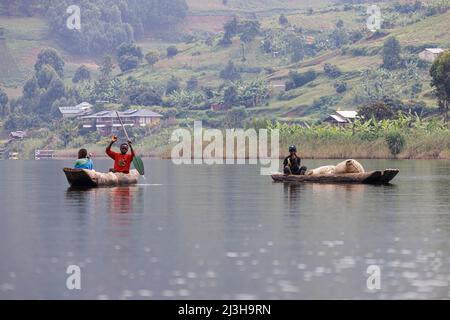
{"x":84,"y":161}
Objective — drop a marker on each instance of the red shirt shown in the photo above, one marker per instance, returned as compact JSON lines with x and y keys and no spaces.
{"x":122,"y":162}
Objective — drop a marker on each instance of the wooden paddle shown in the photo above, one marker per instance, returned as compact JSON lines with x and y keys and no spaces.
{"x":137,"y":161}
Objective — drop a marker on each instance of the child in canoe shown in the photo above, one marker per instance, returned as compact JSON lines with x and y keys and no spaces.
{"x":122,"y":160}
{"x":84,"y":161}
{"x":292,"y":163}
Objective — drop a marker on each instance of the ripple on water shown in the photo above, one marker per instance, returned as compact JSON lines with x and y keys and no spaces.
{"x":126,"y":294}
{"x":288,"y":287}
{"x":179,"y":281}
{"x":184,"y":293}
{"x":145,"y":293}
{"x":168,"y":293}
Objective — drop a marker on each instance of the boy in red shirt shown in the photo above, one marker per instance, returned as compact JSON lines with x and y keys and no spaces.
{"x":122,"y":160}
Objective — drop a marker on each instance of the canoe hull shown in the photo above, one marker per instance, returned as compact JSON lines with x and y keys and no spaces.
{"x":92,"y":179}
{"x":372,"y":177}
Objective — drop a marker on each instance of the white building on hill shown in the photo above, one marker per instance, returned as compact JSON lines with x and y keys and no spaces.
{"x":342,"y":117}
{"x":83,"y":109}
{"x":430,"y":54}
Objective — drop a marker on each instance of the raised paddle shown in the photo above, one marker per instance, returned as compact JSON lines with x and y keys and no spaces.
{"x":137,"y":161}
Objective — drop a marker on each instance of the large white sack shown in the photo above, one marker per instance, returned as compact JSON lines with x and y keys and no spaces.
{"x":349,"y":166}
{"x":322,"y":170}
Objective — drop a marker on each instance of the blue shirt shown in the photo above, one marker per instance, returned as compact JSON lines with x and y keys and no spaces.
{"x":84,"y":163}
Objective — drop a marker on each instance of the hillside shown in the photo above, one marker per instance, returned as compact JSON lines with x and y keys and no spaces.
{"x":24,"y":37}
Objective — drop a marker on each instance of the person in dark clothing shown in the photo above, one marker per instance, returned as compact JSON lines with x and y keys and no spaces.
{"x":292,"y":163}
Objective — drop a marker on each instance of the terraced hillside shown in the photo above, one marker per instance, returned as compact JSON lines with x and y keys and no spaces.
{"x":203,"y":58}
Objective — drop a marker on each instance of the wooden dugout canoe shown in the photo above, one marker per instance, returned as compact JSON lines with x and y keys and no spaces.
{"x":91,"y":178}
{"x":372,"y":177}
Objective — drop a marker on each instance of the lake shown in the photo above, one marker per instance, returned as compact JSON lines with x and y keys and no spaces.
{"x":224,"y":232}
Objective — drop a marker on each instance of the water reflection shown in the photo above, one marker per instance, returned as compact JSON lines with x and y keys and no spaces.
{"x":226,"y":232}
{"x":121,"y":200}
{"x":292,"y":197}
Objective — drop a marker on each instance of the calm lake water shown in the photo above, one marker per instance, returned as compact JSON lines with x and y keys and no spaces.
{"x":224,"y":232}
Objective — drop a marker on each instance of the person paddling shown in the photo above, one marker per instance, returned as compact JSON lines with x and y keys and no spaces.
{"x":292,"y":163}
{"x":122,"y":160}
{"x":84,"y":161}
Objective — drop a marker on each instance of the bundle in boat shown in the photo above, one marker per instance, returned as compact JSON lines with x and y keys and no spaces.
{"x":348,"y":171}
{"x":347,"y":166}
{"x":91,"y":178}
{"x":372,"y":177}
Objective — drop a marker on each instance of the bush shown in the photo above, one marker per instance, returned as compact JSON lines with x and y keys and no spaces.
{"x":172,"y":51}
{"x":340,"y":87}
{"x":297,"y":80}
{"x":331,"y":71}
{"x":230,"y":72}
{"x":395,"y":141}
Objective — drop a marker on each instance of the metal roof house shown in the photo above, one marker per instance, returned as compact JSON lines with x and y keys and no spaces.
{"x":106,"y":122}
{"x":430,"y":54}
{"x":341,"y":117}
{"x":17,"y":134}
{"x":80,"y":110}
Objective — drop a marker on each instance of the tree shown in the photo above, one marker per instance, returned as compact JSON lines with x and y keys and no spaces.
{"x":249,"y":30}
{"x":55,"y":91}
{"x":300,"y":79}
{"x":395,"y":141}
{"x":230,"y":96}
{"x":152,"y":58}
{"x":235,"y":117}
{"x":128,"y":62}
{"x":230,"y":72}
{"x":339,"y":36}
{"x":192,"y":83}
{"x":69,"y":130}
{"x":106,"y":67}
{"x":3,"y":102}
{"x":297,"y":49}
{"x":45,"y":76}
{"x":82,"y":74}
{"x":143,"y":94}
{"x":106,"y":23}
{"x":331,"y":71}
{"x":282,"y":20}
{"x":172,"y":51}
{"x":340,"y":24}
{"x":377,"y":110}
{"x":230,"y":29}
{"x":129,"y":55}
{"x":52,"y":58}
{"x":391,"y":54}
{"x":172,"y":85}
{"x":340,"y":87}
{"x":30,"y":88}
{"x":440,"y":81}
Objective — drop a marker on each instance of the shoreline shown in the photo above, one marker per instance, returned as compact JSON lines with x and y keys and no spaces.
{"x":281,"y":158}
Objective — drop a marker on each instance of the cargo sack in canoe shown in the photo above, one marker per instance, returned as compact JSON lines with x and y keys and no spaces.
{"x":349,"y":166}
{"x":321,"y":170}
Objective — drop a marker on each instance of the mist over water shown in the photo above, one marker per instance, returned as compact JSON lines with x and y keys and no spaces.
{"x":224,"y":232}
